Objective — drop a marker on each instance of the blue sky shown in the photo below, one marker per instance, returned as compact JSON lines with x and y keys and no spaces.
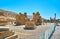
{"x":47,"y":8}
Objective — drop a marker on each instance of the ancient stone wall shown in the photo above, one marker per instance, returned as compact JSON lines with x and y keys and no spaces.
{"x":37,"y":18}
{"x":21,"y":18}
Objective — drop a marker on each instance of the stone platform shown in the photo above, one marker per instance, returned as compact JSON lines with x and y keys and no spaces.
{"x":29,"y":34}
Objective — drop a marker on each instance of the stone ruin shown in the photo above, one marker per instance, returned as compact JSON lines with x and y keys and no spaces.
{"x":5,"y":33}
{"x":37,"y":18}
{"x":23,"y":19}
{"x":3,"y":20}
{"x":30,"y":24}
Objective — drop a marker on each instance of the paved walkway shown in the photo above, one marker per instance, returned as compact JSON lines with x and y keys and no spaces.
{"x":30,"y":34}
{"x":56,"y":34}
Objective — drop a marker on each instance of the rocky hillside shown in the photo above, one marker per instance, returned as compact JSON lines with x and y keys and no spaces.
{"x":7,"y":13}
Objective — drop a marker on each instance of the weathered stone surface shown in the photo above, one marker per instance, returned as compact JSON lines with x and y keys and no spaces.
{"x":30,"y":25}
{"x":37,"y":18}
{"x":6,"y":17}
{"x":21,"y":18}
{"x":5,"y":34}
